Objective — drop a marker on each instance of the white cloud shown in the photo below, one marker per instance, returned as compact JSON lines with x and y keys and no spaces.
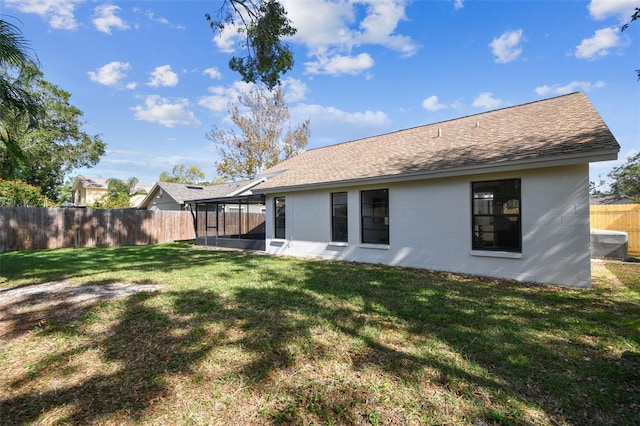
{"x":110,"y":74}
{"x":160,"y":110}
{"x":487,"y":101}
{"x":105,"y":18}
{"x":294,"y":90}
{"x":332,"y":29}
{"x":163,"y":76}
{"x":506,"y":48}
{"x":432,"y":104}
{"x":556,"y":89}
{"x":319,"y":113}
{"x":218,"y":100}
{"x":331,"y":125}
{"x":321,"y":23}
{"x":599,"y":45}
{"x":339,"y":64}
{"x":227,"y":39}
{"x":622,"y":9}
{"x":162,"y":20}
{"x":379,"y":26}
{"x":458,"y":4}
{"x":213,"y":73}
{"x":325,"y":25}
{"x":152,"y":17}
{"x":59,"y":13}
{"x":220,"y":96}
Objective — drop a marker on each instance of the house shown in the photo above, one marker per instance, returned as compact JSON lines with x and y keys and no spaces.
{"x":172,"y":196}
{"x":86,"y":191}
{"x":503,"y":194}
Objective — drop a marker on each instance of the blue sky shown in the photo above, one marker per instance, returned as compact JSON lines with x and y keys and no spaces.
{"x":152,"y":78}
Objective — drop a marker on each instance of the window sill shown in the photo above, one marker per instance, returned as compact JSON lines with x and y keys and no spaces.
{"x":501,"y":254}
{"x":375,"y":246}
{"x":338,"y":244}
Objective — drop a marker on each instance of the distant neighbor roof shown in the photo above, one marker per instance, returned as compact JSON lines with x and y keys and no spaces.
{"x":609,"y":199}
{"x":182,"y":192}
{"x":556,"y":131}
{"x":89,"y":182}
{"x":93,"y":182}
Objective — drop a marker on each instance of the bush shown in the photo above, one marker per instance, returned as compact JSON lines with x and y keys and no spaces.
{"x":16,"y":193}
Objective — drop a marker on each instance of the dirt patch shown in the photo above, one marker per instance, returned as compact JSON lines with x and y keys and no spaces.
{"x":26,"y":307}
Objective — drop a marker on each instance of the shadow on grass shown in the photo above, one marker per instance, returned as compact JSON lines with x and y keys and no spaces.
{"x":146,"y":344}
{"x":505,"y":349}
{"x":24,"y":308}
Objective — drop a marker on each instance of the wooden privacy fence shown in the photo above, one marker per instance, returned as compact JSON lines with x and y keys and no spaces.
{"x":34,"y":228}
{"x":619,"y":217}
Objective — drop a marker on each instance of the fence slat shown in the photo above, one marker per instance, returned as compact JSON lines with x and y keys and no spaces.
{"x":619,"y":217}
{"x":36,"y":228}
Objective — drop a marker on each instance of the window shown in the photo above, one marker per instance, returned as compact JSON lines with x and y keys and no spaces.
{"x":374,"y":212}
{"x":339,"y":229}
{"x":496,"y":215}
{"x":279,"y":218}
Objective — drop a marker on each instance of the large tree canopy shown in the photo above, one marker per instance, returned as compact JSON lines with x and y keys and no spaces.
{"x":54,"y":147}
{"x":263,"y":25}
{"x":260,"y":144}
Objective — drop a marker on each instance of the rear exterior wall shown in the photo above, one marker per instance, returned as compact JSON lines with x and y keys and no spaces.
{"x":430,"y":227}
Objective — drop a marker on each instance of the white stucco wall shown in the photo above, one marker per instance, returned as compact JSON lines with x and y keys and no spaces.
{"x":430,"y":227}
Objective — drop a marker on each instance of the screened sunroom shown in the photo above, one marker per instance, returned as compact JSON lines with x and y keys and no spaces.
{"x":233,"y":222}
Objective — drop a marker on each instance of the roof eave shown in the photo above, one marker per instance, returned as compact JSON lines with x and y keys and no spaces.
{"x":508,"y":166}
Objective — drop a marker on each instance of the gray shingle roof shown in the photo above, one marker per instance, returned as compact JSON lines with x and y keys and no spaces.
{"x":595,"y":200}
{"x":562,"y":127}
{"x":181,"y":192}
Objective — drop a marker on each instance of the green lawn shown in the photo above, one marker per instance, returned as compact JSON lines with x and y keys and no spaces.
{"x":236,"y":338}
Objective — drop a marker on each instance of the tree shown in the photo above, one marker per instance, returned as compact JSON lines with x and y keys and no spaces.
{"x":15,"y":101}
{"x":119,"y":194}
{"x":53,"y":148}
{"x":264,"y":24}
{"x":260,"y":143}
{"x":183,"y":174}
{"x":626,"y":179}
{"x":634,"y":17}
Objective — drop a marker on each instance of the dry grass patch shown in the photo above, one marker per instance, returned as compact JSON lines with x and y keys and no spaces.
{"x":240,"y":339}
